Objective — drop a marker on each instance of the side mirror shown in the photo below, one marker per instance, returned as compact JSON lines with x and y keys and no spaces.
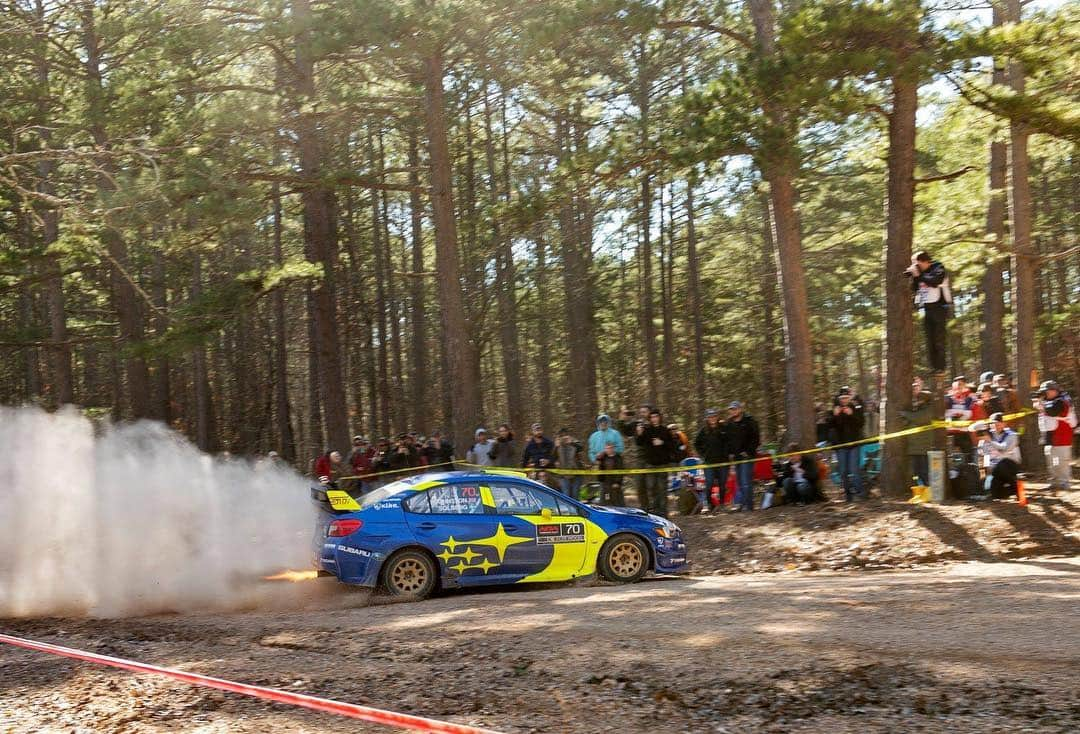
{"x":545,"y":513}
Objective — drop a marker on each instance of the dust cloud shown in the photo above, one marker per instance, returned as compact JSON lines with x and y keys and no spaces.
{"x":132,"y":519}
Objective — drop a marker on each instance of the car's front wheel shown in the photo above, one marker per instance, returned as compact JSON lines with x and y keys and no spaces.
{"x":409,"y":575}
{"x":624,"y":559}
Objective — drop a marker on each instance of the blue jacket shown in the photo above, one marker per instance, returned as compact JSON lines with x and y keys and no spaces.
{"x":602,"y":437}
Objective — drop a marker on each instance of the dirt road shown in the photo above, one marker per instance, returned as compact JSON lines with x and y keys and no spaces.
{"x":968,"y":647}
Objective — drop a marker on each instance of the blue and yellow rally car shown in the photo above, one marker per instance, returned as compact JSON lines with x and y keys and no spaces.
{"x":457,"y":529}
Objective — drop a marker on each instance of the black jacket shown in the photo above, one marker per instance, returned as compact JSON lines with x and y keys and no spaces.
{"x":712,"y":443}
{"x":934,"y":277}
{"x":535,"y":452}
{"x":844,"y":428}
{"x":657,"y":455}
{"x":744,"y":437}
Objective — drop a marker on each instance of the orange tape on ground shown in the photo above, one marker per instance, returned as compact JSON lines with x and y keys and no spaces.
{"x":353,"y":711}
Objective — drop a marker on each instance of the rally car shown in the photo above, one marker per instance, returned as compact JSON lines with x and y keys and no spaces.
{"x":476,"y":528}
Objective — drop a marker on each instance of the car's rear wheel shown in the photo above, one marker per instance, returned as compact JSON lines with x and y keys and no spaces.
{"x":409,"y":575}
{"x":624,"y":559}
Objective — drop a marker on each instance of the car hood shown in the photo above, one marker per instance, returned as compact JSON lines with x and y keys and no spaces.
{"x":636,"y":512}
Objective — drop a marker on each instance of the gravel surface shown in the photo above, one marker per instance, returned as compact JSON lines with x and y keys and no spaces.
{"x":968,"y":642}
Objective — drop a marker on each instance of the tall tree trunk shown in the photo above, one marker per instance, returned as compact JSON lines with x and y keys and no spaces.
{"x":667,"y":292}
{"x":59,"y":350}
{"x":1025,"y":259}
{"x":205,"y":427}
{"x":992,"y":335}
{"x":162,"y":387}
{"x":769,"y":284}
{"x":280,"y":370}
{"x":585,"y":210}
{"x":320,"y":234}
{"x":505,"y":283}
{"x":543,"y":341}
{"x":462,"y":354}
{"x":648,"y":328}
{"x":125,"y":296}
{"x":382,"y":269}
{"x":418,"y":356}
{"x":575,"y":283}
{"x":397,"y":393}
{"x":693,"y":268}
{"x":899,"y":232}
{"x":779,"y":167}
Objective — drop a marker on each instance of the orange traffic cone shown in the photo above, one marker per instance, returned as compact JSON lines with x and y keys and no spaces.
{"x":1021,"y":495}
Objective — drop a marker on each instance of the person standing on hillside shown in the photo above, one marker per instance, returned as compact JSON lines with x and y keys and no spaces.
{"x":504,"y":451}
{"x":539,"y":450}
{"x":628,"y":424}
{"x":846,"y":426}
{"x":711,"y":444}
{"x":930,"y":285}
{"x":744,"y":437}
{"x":923,"y":412}
{"x":1057,"y":417}
{"x":480,"y":453}
{"x":602,"y":436}
{"x":657,"y":450}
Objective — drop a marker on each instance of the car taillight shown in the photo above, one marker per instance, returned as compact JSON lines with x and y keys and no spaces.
{"x":339,"y":528}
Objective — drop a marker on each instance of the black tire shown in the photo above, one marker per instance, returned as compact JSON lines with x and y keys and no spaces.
{"x":409,"y":575}
{"x":624,"y":559}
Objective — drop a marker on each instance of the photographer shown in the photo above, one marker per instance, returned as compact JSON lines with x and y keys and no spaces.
{"x":658,"y":448}
{"x":930,"y":284}
{"x":1057,"y":418}
{"x":846,"y":426}
{"x":999,"y":454}
{"x":437,"y":450}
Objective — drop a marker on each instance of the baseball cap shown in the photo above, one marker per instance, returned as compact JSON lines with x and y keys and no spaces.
{"x":536,"y":426}
{"x":734,"y":404}
{"x":710,"y":412}
{"x":997,"y":417}
{"x":845,"y":390}
{"x":1049,"y":385}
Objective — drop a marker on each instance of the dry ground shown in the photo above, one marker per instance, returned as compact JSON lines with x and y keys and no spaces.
{"x":967,"y":642}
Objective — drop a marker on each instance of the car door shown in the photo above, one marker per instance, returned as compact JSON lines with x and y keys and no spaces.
{"x":559,"y":545}
{"x":473,"y":546}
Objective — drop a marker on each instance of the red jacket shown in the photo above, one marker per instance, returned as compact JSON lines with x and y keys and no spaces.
{"x":1059,"y":408}
{"x":323,"y":467}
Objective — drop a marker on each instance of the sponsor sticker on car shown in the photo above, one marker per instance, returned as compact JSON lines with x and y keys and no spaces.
{"x":553,"y":533}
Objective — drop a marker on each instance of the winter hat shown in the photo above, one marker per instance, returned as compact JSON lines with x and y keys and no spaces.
{"x":603,"y":418}
{"x":654,"y":411}
{"x":997,"y":418}
{"x":536,"y":426}
{"x":1049,"y":385}
{"x":845,"y":390}
{"x":480,"y":430}
{"x":986,"y":377}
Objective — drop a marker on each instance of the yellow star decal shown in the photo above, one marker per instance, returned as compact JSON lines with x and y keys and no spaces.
{"x":461,"y":566}
{"x":446,"y":556}
{"x":500,"y":541}
{"x":486,"y":565}
{"x":451,"y":544}
{"x":469,"y":554}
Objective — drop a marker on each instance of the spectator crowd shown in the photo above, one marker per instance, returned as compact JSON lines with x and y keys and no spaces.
{"x":979,"y":430}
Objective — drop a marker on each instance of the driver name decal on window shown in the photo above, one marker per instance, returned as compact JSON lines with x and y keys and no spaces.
{"x":567,"y":532}
{"x":456,"y":500}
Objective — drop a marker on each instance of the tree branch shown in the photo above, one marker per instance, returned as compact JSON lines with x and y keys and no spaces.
{"x":734,"y":35}
{"x":946,"y":176}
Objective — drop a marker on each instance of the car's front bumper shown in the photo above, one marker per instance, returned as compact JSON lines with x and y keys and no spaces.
{"x":670,"y":554}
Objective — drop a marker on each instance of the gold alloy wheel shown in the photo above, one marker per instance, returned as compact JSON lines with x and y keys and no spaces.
{"x":626,"y":559}
{"x":408,"y":576}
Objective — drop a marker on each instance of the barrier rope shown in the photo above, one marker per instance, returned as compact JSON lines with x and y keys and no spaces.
{"x":350,"y":710}
{"x":880,"y":438}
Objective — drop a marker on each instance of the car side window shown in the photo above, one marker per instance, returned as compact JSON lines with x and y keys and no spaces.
{"x":566,"y":509}
{"x":420,"y":502}
{"x":514,"y":499}
{"x":456,"y":499}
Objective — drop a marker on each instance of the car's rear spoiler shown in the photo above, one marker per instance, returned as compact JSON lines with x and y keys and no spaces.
{"x":334,"y":500}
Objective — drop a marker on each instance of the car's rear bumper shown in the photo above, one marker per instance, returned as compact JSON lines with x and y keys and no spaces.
{"x":348,"y":563}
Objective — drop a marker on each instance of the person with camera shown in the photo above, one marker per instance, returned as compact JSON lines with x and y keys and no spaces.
{"x":930,"y":285}
{"x":999,"y":454}
{"x":404,"y":455}
{"x":845,"y":427}
{"x":628,"y":425}
{"x":744,"y":437}
{"x":437,"y":450}
{"x":1057,"y":418}
{"x":539,"y":450}
{"x":798,"y":477}
{"x":711,"y":444}
{"x":658,"y":448}
{"x":504,"y":451}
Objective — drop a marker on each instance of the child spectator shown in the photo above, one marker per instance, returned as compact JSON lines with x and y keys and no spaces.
{"x":611,"y":490}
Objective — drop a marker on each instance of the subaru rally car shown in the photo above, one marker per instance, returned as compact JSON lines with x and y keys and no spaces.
{"x":475,"y":528}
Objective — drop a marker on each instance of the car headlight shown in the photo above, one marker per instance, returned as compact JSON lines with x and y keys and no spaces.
{"x":666,"y":532}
